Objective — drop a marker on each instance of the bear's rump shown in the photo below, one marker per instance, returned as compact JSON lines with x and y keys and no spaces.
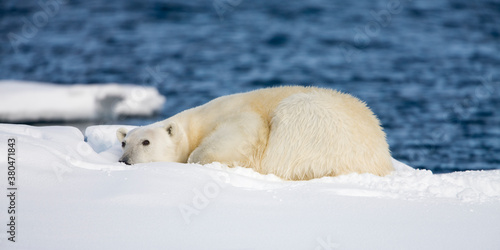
{"x":312,"y":135}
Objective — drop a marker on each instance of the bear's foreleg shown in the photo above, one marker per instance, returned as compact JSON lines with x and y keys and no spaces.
{"x":235,"y":141}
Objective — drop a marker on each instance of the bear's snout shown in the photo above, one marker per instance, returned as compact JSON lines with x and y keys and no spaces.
{"x":124,"y":160}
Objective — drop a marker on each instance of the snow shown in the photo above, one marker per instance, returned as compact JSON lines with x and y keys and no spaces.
{"x":74,"y":195}
{"x":34,"y":101}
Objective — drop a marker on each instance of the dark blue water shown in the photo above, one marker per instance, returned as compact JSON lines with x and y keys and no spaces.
{"x":429,"y":69}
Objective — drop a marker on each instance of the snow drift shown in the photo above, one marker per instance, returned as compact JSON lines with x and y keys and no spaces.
{"x":74,"y":195}
{"x":33,"y":101}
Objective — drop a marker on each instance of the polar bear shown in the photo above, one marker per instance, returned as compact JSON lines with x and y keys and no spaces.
{"x":293,"y":132}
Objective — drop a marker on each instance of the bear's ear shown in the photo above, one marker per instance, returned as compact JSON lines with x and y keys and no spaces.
{"x":121,"y":133}
{"x":172,"y":129}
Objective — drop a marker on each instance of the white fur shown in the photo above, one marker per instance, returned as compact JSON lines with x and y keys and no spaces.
{"x":296,"y":133}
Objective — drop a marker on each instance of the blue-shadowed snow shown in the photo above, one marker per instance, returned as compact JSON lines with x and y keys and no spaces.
{"x":74,"y":194}
{"x":33,"y":101}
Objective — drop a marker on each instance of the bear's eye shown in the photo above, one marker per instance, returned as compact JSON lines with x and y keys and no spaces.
{"x":145,"y":143}
{"x":123,"y":144}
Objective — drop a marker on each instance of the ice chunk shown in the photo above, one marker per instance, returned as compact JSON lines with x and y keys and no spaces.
{"x":22,"y":101}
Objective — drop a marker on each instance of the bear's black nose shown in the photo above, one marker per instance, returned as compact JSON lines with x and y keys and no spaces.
{"x":124,"y":161}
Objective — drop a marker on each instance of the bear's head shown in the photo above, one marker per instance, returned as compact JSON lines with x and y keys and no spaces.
{"x":153,"y":143}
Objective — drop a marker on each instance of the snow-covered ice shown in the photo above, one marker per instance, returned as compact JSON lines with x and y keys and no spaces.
{"x":35,"y":101}
{"x":73,"y":194}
